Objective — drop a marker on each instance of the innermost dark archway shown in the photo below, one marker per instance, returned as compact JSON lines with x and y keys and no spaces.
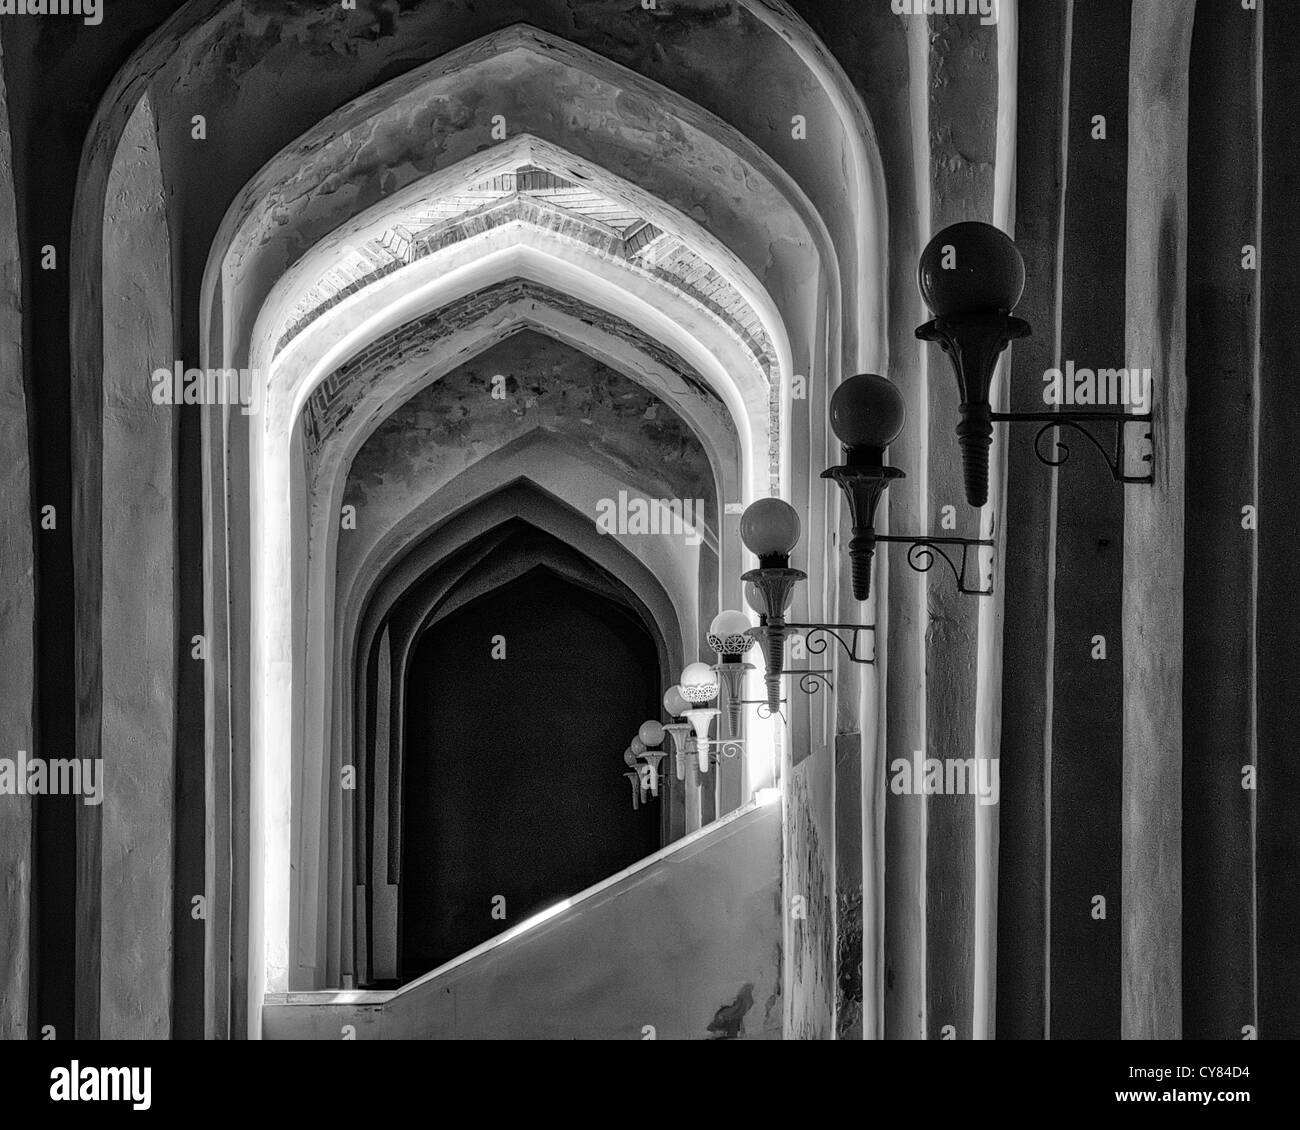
{"x":513,"y":777}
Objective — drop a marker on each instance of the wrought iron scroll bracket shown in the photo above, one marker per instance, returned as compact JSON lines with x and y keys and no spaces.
{"x":1115,"y":453}
{"x":815,"y":639}
{"x":725,"y":749}
{"x":810,"y":682}
{"x":925,"y":550}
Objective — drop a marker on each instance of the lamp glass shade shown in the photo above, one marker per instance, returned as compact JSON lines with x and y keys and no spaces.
{"x":629,"y":758}
{"x":698,"y":675}
{"x":651,"y":734}
{"x":728,"y":634}
{"x":868,"y":411}
{"x":699,"y":684}
{"x":770,"y":527}
{"x":971,"y":268}
{"x":637,"y":746}
{"x":732,"y":622}
{"x":674,"y":703}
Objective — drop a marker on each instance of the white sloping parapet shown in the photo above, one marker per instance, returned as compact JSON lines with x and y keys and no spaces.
{"x":686,"y":942}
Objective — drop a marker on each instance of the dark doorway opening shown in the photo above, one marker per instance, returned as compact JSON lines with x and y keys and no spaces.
{"x":514,"y":784}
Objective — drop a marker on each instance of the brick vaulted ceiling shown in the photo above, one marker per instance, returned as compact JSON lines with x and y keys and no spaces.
{"x":534,"y":195}
{"x":337,"y":396}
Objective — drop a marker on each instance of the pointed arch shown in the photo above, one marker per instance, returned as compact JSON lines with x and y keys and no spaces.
{"x":805,"y":272}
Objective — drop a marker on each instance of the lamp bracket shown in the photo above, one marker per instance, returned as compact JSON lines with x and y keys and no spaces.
{"x":1115,"y":454}
{"x":921,"y":557}
{"x":764,"y":707}
{"x":809,"y":682}
{"x":715,"y":743}
{"x":719,"y":750}
{"x":852,"y":645}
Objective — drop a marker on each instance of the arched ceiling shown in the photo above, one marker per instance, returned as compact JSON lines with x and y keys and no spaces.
{"x":689,"y":140}
{"x":555,"y":464}
{"x":532,"y":194}
{"x":751,"y":255}
{"x":424,"y":559}
{"x":339,"y":395}
{"x":381,"y":157}
{"x":544,"y":383}
{"x":517,"y":547}
{"x":442,"y":114}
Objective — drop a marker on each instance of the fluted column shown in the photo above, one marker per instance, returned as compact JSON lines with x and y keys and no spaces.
{"x":1151,"y":961}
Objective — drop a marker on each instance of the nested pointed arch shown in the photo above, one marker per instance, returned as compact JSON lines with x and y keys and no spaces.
{"x":740,"y":345}
{"x":682,"y":604}
{"x":589,"y":469}
{"x":566,"y":470}
{"x":276,"y":465}
{"x":457,"y":334}
{"x":464,"y":406}
{"x":376,"y":385}
{"x":700,"y":132}
{"x":295,"y":696}
{"x":502,"y":312}
{"x":421,"y":585}
{"x":784,"y":68}
{"x":513,"y":551}
{"x":577,"y":113}
{"x":513,"y":493}
{"x":438,"y":316}
{"x":567,"y":96}
{"x":531,"y":180}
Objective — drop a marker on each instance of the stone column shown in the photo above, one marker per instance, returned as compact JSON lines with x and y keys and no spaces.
{"x":17,"y":613}
{"x":1221,"y":476}
{"x":1151,"y":973}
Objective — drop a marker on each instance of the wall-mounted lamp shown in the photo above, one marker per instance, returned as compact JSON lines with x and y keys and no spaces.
{"x":643,"y":759}
{"x":637,"y":795}
{"x":867,"y":413}
{"x":730,"y":640}
{"x":971,"y":277}
{"x":689,"y":700}
{"x":650,"y":736}
{"x":770,"y":529}
{"x":699,"y":687}
{"x":678,"y":732}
